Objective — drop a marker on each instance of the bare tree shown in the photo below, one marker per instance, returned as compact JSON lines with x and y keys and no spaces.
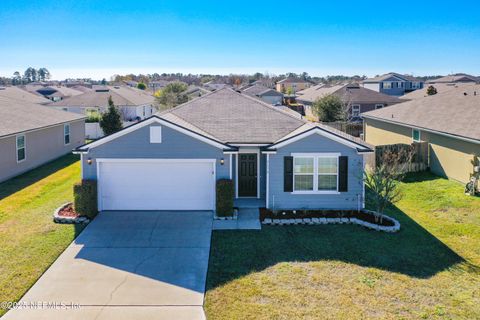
{"x":383,"y":180}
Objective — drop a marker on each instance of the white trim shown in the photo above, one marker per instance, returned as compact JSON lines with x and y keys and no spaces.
{"x":249,"y":144}
{"x":424,"y":129}
{"x":322,"y":133}
{"x":140,"y":160}
{"x":155,"y":134}
{"x":65,"y":125}
{"x":81,"y":166}
{"x":236,"y":175}
{"x":151,"y":121}
{"x":24,"y":147}
{"x":359,"y":110}
{"x":315,"y":173}
{"x":269,"y":152}
{"x":257,"y":152}
{"x":268,"y":181}
{"x":363,"y":183}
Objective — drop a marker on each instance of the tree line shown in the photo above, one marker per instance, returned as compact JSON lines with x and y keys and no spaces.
{"x":30,"y":75}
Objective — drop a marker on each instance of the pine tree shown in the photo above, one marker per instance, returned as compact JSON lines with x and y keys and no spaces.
{"x":111,"y":120}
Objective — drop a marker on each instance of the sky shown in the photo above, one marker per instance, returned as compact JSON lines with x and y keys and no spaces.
{"x":97,"y":39}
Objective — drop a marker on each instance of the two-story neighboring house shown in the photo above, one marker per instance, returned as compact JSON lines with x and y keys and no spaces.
{"x":393,"y":84}
{"x":293,"y":84}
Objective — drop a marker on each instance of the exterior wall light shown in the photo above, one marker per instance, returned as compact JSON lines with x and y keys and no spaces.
{"x":89,"y":161}
{"x":222,"y":161}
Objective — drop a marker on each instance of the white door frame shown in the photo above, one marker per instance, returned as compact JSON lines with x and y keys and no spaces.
{"x":247,"y":150}
{"x":99,"y":161}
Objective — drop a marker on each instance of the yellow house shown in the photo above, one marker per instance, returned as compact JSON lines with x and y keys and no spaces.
{"x":293,"y":84}
{"x":449,"y":122}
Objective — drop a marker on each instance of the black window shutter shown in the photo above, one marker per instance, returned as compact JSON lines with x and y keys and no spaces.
{"x":287,"y":174}
{"x":343,"y":174}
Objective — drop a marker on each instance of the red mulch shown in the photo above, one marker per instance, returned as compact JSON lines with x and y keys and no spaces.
{"x":300,"y":214}
{"x":68,"y":211}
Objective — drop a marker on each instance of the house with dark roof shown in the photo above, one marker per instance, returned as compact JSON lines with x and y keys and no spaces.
{"x":268,"y":95}
{"x":447,"y":121}
{"x":172,"y":160}
{"x":292,"y":84}
{"x":456,"y":78}
{"x":356,"y":98}
{"x":393,"y":84}
{"x":32,"y":134}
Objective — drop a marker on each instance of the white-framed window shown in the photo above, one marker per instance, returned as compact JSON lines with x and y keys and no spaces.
{"x":415,"y":85}
{"x":21,"y":148}
{"x":416,"y":136}
{"x":155,"y":134}
{"x":379,"y":106}
{"x":355,"y":110}
{"x":399,"y":84}
{"x":387,"y":85}
{"x":66,"y":133}
{"x":316,"y":173}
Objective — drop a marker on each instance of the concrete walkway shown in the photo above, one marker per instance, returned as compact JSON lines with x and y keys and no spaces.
{"x":248,"y":219}
{"x":128,"y":265}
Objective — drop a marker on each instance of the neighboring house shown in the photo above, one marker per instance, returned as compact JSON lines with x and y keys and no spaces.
{"x":157,"y":84}
{"x":134,"y":104}
{"x":172,"y":160}
{"x":215,"y":85}
{"x":356,"y":98}
{"x":270,"y":96}
{"x":31,"y":135}
{"x":266,"y":82}
{"x":194,"y":91}
{"x":448,"y":122}
{"x":393,"y":84}
{"x":456,"y":78}
{"x":294,"y":84}
{"x":53,"y":93}
{"x":441,"y":88}
{"x":14,"y":92}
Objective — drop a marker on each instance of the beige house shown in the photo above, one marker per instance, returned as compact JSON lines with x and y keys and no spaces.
{"x":32,"y":134}
{"x":448,"y":122}
{"x":295,"y":84}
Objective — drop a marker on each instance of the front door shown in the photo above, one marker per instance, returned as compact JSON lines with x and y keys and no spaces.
{"x":247,"y":175}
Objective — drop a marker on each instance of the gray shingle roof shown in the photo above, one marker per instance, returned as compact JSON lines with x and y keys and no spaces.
{"x":391,"y":74}
{"x":22,"y":95}
{"x":20,"y":116}
{"x":231,"y":117}
{"x":352,"y":93}
{"x":441,"y":88}
{"x":122,"y":96}
{"x":452,"y":113}
{"x":258,"y":90}
{"x":460,"y":77}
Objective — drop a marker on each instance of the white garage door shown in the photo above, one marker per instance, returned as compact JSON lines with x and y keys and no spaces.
{"x":156,"y":184}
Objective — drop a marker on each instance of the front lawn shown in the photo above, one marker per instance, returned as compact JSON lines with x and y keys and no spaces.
{"x":429,"y":270}
{"x":29,"y":240}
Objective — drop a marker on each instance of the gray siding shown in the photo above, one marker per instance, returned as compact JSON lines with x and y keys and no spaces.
{"x":278,"y":199}
{"x":42,"y":146}
{"x":175,"y":145}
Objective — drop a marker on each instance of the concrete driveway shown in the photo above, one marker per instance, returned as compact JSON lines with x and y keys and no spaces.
{"x":128,"y":265}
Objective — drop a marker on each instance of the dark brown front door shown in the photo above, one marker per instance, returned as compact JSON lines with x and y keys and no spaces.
{"x":247,"y":175}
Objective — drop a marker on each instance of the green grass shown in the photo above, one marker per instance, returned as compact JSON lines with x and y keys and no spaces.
{"x":429,"y":270}
{"x":29,"y":240}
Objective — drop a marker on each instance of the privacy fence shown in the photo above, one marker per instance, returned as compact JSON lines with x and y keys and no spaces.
{"x":352,"y":128}
{"x":418,"y":161}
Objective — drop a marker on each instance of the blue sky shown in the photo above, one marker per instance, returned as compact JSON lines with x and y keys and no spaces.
{"x":100,"y":38}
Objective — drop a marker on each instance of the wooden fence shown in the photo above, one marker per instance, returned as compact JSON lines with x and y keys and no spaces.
{"x":419,"y":161}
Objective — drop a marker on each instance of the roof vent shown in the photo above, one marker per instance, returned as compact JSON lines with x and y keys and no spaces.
{"x":465,"y":94}
{"x":116,"y":87}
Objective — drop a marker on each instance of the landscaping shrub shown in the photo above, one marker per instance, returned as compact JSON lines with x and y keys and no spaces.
{"x":85,"y":198}
{"x":93,"y":117}
{"x":225,"y":194}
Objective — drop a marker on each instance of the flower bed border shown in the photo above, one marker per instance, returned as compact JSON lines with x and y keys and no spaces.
{"x":317,"y":221}
{"x":234,"y":216}
{"x":68,"y":220}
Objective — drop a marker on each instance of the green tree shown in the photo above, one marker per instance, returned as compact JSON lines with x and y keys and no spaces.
{"x":111,"y":120}
{"x":30,"y":75}
{"x":431,"y":90}
{"x":43,"y":74}
{"x":17,"y":78}
{"x":172,"y":95}
{"x":329,"y":108}
{"x":289,"y":91}
{"x":103,"y":82}
{"x":141,"y":86}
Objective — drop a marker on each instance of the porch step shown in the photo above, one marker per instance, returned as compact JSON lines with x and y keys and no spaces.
{"x":248,"y":219}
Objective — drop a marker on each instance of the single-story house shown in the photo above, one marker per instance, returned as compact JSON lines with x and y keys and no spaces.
{"x":456,"y":78}
{"x":268,"y":95}
{"x":393,"y":84}
{"x":134,"y":104}
{"x":356,"y":98}
{"x":31,"y":135}
{"x":172,"y":160}
{"x":448,"y":122}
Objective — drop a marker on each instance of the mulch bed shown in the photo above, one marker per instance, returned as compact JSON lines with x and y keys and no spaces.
{"x":68,"y":211}
{"x":300,"y":214}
